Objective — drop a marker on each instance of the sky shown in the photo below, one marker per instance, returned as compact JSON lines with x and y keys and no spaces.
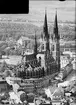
{"x":65,"y":11}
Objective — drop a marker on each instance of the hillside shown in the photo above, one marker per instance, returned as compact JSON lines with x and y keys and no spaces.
{"x":11,"y":32}
{"x":15,"y":30}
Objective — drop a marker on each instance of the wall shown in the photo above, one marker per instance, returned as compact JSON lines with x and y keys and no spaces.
{"x":31,"y":84}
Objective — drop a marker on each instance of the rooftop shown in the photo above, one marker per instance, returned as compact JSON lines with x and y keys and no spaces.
{"x":2,"y":80}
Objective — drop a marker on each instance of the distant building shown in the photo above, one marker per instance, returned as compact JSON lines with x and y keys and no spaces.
{"x":68,"y":53}
{"x":74,"y":61}
{"x":67,"y":47}
{"x":64,"y":60}
{"x":3,"y":86}
{"x":22,"y":40}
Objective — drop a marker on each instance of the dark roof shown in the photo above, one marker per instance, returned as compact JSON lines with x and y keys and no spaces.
{"x":51,"y":59}
{"x":42,"y":52}
{"x":30,"y":57}
{"x":31,"y":61}
{"x":2,"y":81}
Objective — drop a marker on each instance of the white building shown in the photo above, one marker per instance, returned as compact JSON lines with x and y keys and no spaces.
{"x":72,"y":55}
{"x":64,"y":60}
{"x":68,"y":52}
{"x":22,"y":39}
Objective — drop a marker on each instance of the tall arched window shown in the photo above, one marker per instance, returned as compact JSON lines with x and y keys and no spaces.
{"x":42,"y":46}
{"x":53,"y":48}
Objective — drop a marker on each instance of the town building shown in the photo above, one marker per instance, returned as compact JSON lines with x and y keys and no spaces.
{"x":23,"y":40}
{"x":4,"y":85}
{"x":64,"y":60}
{"x":68,"y":46}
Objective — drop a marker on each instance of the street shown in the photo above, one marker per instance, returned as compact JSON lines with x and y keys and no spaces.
{"x":71,"y":75}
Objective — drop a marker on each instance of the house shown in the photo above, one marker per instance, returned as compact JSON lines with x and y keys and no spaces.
{"x":58,"y":94}
{"x":3,"y":85}
{"x":65,"y":58}
{"x":22,"y":40}
{"x":56,"y":102}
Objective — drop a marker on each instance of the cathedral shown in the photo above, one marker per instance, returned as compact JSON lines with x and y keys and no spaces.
{"x":45,"y":61}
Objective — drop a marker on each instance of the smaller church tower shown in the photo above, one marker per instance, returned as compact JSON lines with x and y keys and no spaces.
{"x":35,"y":46}
{"x":56,"y":43}
{"x":23,"y":55}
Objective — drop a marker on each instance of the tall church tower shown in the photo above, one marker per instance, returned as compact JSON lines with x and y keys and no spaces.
{"x":45,"y":32}
{"x":46,"y":38}
{"x":45,"y":35}
{"x":56,"y":43}
{"x":45,"y":52}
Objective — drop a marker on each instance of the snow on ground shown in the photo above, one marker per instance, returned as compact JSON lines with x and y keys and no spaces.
{"x":50,"y":90}
{"x":66,"y":83}
{"x":31,"y":104}
{"x":14,"y":97}
{"x":14,"y":60}
{"x":9,"y":81}
{"x":48,"y":93}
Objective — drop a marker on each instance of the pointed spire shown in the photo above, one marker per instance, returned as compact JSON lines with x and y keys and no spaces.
{"x":35,"y":46}
{"x":45,"y":30}
{"x":56,"y":26}
{"x":42,"y":36}
{"x":45,"y":27}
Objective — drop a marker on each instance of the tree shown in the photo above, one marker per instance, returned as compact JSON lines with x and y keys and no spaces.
{"x":3,"y":52}
{"x":30,"y":97}
{"x":23,"y":97}
{"x":3,"y":66}
{"x":67,"y":103}
{"x":8,"y":73}
{"x":5,"y":96}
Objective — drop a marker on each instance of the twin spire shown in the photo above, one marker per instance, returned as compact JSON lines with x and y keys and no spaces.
{"x":46,"y":34}
{"x":45,"y":27}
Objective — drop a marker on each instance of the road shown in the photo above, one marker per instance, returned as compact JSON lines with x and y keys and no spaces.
{"x":68,"y":78}
{"x":71,"y":75}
